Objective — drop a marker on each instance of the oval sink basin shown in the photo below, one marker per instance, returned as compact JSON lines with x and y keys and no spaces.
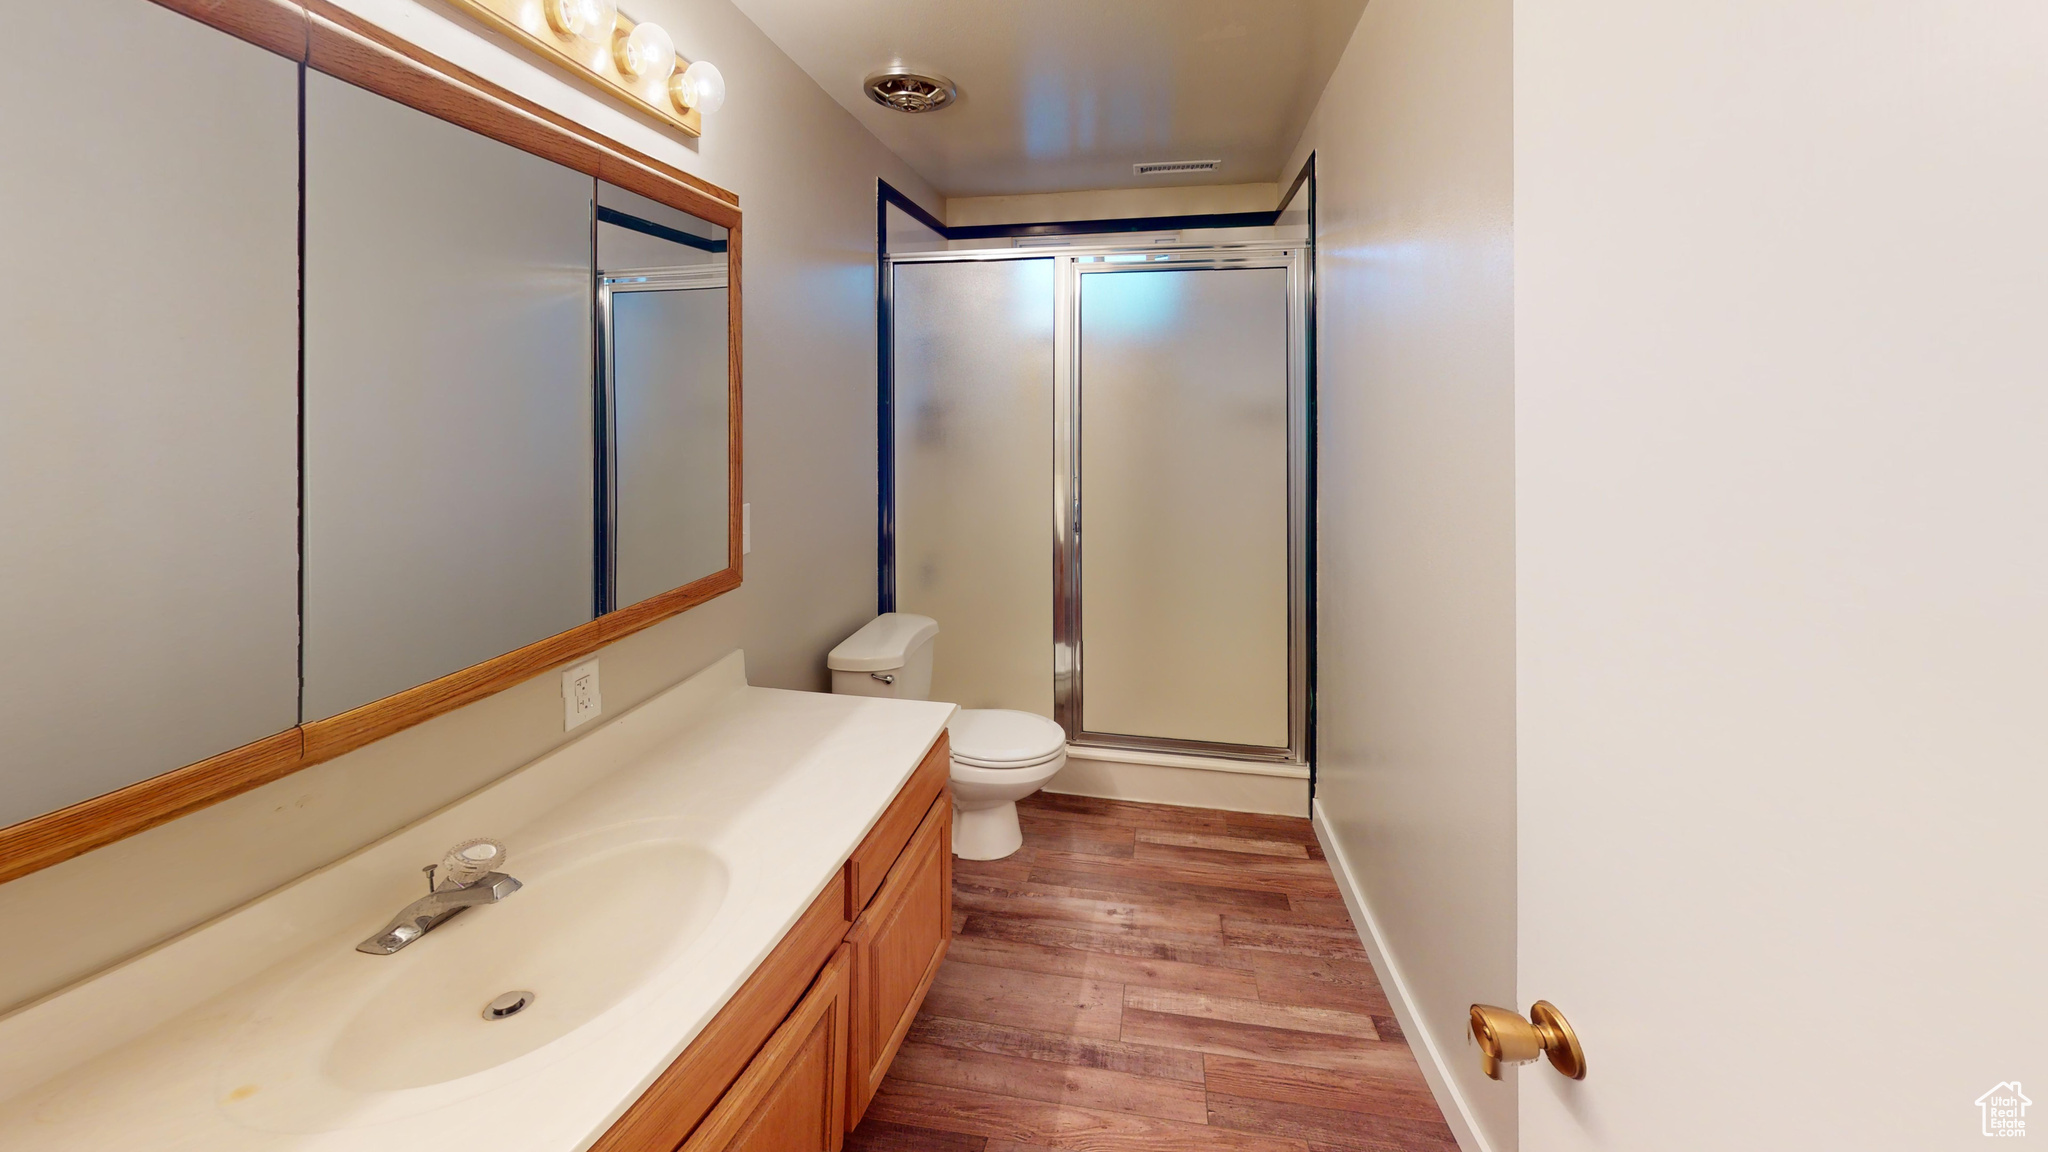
{"x":580,"y":939}
{"x":590,"y":926}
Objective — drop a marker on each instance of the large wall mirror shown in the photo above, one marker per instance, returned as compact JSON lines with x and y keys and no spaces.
{"x":664,"y":303}
{"x":403,"y":392}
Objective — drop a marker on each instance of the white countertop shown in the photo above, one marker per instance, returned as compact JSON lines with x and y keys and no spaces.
{"x":215,"y":1040}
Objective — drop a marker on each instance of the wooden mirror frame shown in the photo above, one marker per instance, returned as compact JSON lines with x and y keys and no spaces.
{"x":330,"y":40}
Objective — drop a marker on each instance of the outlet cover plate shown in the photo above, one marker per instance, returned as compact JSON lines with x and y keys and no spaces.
{"x":581,"y":700}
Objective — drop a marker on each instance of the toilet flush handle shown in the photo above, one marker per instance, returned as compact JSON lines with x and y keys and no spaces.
{"x":884,"y":677}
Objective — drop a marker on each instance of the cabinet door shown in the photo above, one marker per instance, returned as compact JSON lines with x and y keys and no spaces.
{"x":792,"y":1098}
{"x":897,"y":944}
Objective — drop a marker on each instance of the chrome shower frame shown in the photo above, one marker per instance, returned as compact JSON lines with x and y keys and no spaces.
{"x":605,"y":425}
{"x":1071,"y":263}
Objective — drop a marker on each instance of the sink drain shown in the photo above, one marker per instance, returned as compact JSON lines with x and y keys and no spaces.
{"x":510,"y":1004}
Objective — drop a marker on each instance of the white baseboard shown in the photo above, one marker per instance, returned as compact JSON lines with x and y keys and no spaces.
{"x":1185,"y":781}
{"x":1429,"y":1053}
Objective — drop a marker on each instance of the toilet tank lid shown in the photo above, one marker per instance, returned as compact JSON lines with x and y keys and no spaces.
{"x":882,"y":643}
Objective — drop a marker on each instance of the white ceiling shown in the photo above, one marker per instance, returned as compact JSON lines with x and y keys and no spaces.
{"x":1057,"y":95}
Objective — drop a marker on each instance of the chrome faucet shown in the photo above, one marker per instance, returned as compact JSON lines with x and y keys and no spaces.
{"x":467,"y":885}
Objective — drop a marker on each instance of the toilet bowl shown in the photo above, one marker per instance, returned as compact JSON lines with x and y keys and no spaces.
{"x":999,"y":755}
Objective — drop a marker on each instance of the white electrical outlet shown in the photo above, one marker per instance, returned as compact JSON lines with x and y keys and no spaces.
{"x":581,"y":699}
{"x":746,"y":528}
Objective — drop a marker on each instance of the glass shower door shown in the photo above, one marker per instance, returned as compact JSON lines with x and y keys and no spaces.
{"x":1184,"y":521}
{"x":1096,"y":481}
{"x":973,"y":428}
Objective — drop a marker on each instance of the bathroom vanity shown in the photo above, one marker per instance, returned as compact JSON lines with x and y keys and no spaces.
{"x":732,"y":902}
{"x":846,"y":982}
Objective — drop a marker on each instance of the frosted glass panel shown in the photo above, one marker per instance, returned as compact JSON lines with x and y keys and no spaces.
{"x":974,"y":472}
{"x":669,"y":387}
{"x":1183,"y":388}
{"x":149,"y":399}
{"x":449,"y":398}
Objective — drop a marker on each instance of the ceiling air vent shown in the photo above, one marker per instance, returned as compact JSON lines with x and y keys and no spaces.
{"x":1162,"y":167}
{"x":908,"y":91}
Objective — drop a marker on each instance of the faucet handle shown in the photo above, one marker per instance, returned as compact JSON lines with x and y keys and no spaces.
{"x":471,"y":860}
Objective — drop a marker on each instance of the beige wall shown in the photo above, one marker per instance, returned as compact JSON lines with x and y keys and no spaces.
{"x":805,"y":172}
{"x":1416,"y":784}
{"x":1112,"y":203}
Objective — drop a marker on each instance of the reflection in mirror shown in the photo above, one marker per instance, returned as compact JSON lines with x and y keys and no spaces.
{"x":448,"y":419}
{"x":148,"y":407}
{"x":312,"y":399}
{"x":662,"y":302}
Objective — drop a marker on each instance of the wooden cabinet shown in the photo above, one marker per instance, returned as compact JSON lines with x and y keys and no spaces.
{"x":792,"y":1098}
{"x":879,"y":849}
{"x":782,"y":1069}
{"x":898,"y":943}
{"x":684,"y":1094}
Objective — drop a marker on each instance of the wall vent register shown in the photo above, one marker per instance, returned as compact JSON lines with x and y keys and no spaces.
{"x":1169,"y":167}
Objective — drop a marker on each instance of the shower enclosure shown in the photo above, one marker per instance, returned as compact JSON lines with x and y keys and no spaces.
{"x":661,"y":416}
{"x":1098,"y":459}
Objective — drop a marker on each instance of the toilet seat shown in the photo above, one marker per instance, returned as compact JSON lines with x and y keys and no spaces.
{"x":1006,"y":765}
{"x":1003,"y":738}
{"x":998,"y":758}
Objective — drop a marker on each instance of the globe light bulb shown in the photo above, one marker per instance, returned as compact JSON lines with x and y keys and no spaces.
{"x":700,"y":87}
{"x":587,"y":20}
{"x":599,"y":18}
{"x":648,"y":51}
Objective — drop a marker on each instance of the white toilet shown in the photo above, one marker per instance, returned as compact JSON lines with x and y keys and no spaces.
{"x":1000,"y":756}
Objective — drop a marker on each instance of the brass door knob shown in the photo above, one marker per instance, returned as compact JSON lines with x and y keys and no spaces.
{"x":1505,"y":1038}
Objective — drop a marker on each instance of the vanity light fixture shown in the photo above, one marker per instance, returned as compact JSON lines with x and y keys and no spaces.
{"x":645,"y":51}
{"x":698,"y":88}
{"x":608,"y":49}
{"x":588,"y":20}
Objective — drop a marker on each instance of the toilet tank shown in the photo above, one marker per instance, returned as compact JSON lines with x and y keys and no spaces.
{"x":890,"y":656}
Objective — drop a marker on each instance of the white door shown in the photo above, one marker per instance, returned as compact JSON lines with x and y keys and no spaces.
{"x":1782,"y":560}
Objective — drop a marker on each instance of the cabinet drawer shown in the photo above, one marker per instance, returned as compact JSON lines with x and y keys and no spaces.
{"x":884,"y":842}
{"x":898,"y":944}
{"x":792,"y":1097}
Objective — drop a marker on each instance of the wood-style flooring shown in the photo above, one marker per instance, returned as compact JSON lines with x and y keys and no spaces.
{"x":1143,"y":978}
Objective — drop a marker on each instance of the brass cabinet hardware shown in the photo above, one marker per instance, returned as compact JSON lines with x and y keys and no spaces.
{"x":1506,"y":1038}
